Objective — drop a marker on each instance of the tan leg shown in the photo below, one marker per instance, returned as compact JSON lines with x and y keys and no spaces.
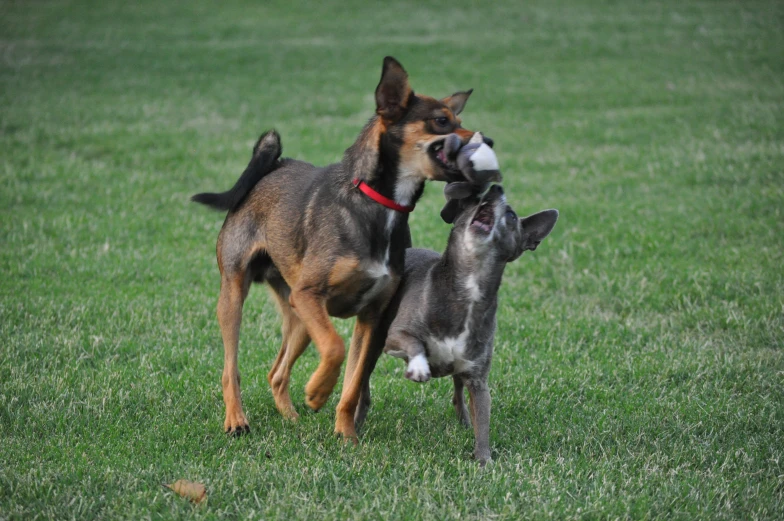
{"x":233,"y":291}
{"x":376,"y":348}
{"x":312,"y":311}
{"x":376,"y":343}
{"x":352,"y":382}
{"x":295,"y":341}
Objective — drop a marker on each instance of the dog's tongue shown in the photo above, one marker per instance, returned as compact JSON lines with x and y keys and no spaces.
{"x":442,"y":156}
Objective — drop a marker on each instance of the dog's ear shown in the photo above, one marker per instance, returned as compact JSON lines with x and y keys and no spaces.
{"x":536,"y":227}
{"x":393,"y":91}
{"x":459,"y":190}
{"x":456,"y":102}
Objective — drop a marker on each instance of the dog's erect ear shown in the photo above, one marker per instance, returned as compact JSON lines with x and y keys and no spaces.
{"x":536,"y":227}
{"x":456,"y":102}
{"x":393,"y":91}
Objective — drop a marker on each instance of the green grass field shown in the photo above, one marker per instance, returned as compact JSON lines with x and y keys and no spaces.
{"x":639,"y":371}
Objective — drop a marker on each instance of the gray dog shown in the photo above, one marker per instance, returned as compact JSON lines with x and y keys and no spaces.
{"x":442,"y":318}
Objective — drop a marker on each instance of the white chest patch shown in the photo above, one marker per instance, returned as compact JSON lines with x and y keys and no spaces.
{"x":450,"y":351}
{"x":391,"y":219}
{"x":472,"y":286}
{"x":408,"y":183}
{"x":379,"y":271}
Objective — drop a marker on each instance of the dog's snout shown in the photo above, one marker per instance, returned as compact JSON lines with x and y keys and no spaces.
{"x":488,"y":141}
{"x":496,"y":190}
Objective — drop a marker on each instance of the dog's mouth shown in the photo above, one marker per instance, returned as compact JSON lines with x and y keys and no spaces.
{"x":439,"y":153}
{"x":484,"y":218}
{"x":444,"y":153}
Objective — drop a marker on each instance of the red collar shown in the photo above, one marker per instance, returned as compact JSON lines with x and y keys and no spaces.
{"x":377,"y":197}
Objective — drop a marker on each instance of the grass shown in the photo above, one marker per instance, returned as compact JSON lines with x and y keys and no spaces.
{"x":639,"y":369}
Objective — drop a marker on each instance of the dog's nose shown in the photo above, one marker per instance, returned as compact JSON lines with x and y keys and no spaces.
{"x":496,"y":190}
{"x":488,"y":141}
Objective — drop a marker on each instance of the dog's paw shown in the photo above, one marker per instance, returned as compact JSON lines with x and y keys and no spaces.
{"x":236,"y":424}
{"x":345,"y":428}
{"x":483,"y":461}
{"x":347,"y":439}
{"x":463,"y":417}
{"x":320,"y":386}
{"x":316,"y":399}
{"x":418,"y":369}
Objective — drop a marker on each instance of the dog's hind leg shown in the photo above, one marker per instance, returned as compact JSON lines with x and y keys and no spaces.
{"x":295,"y":341}
{"x":479,"y":395}
{"x":458,"y":400}
{"x":234,"y":289}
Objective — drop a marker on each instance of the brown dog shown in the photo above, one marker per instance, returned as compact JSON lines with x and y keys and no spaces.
{"x":329,"y":241}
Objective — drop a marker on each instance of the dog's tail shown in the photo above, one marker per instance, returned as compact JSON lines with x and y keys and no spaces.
{"x":266,"y":153}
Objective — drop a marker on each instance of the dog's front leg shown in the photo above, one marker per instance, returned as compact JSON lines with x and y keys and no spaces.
{"x":405,"y":345}
{"x":360,"y":358}
{"x":376,"y":348}
{"x":312,"y":310}
{"x":479,"y":394}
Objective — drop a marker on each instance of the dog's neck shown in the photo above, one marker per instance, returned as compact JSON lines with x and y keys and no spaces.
{"x":374,"y":159}
{"x":474,"y":273}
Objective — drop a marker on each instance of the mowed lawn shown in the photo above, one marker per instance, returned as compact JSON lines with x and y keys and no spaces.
{"x":638,"y":372}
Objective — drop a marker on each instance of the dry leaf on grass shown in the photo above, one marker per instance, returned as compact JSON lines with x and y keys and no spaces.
{"x":196,"y":492}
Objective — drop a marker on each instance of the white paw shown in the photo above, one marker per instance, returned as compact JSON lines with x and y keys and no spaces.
{"x":418,"y":369}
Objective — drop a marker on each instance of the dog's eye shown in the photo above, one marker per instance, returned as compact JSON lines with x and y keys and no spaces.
{"x":442,"y":121}
{"x":510,"y":215}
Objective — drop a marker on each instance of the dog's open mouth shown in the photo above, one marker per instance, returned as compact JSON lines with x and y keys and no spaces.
{"x":444,"y":153}
{"x":439,"y":153}
{"x":484,"y":218}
